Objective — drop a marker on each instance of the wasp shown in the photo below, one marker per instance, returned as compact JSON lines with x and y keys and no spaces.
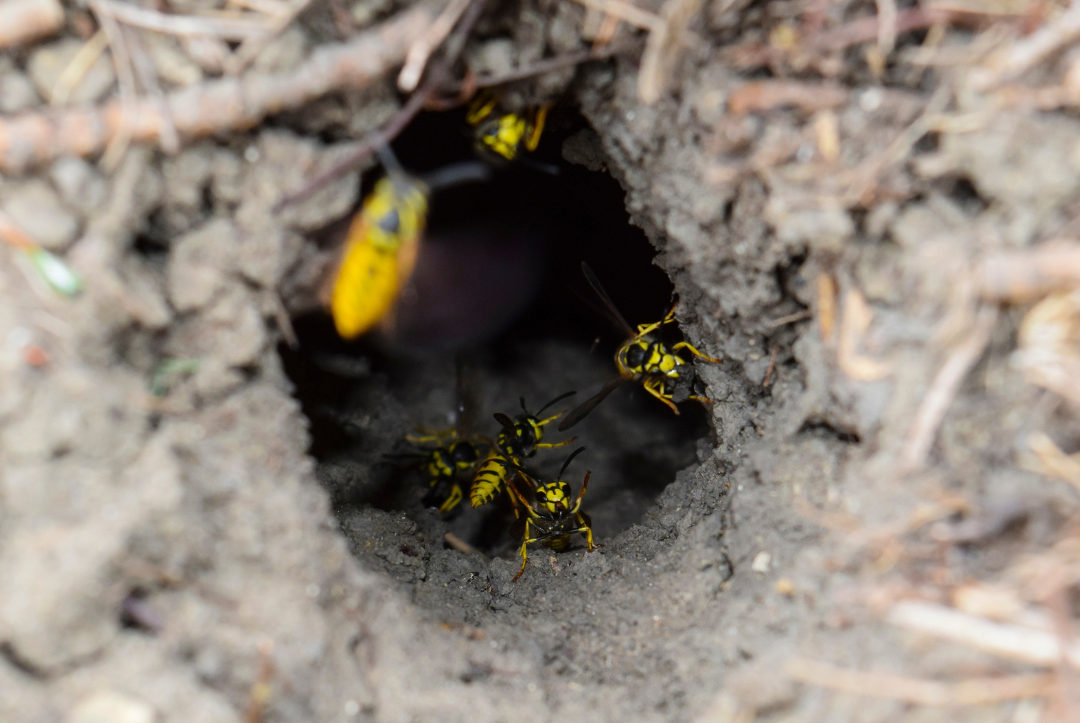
{"x":452,"y":457}
{"x":504,"y":134}
{"x":383,"y":241}
{"x":553,"y":518}
{"x":646,"y":358}
{"x":519,"y":439}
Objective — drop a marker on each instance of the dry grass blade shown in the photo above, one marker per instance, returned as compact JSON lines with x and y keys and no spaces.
{"x":22,"y":21}
{"x":125,"y":73}
{"x":1049,"y":344}
{"x":943,"y":390}
{"x":461,"y":546}
{"x":227,"y":28}
{"x":917,"y":691}
{"x":1051,"y":461}
{"x":1015,"y":642}
{"x":425,"y":45}
{"x":202,"y":110}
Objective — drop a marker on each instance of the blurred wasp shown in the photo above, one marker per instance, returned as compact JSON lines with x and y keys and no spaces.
{"x":643,"y":357}
{"x":504,"y":134}
{"x":553,"y":518}
{"x":383,"y":241}
{"x":519,"y":439}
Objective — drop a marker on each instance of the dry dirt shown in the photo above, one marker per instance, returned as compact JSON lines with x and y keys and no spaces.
{"x":180,"y":556}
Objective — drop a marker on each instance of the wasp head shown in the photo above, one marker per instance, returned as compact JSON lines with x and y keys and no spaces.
{"x":554,"y":497}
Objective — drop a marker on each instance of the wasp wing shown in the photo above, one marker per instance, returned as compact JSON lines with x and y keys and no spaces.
{"x":582,"y":410}
{"x":609,"y":306}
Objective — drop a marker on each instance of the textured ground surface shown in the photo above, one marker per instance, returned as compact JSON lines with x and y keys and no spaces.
{"x":180,"y":557}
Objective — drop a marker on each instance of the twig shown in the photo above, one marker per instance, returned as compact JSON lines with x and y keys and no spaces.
{"x":170,"y":139}
{"x":763,"y":95}
{"x":1015,"y":642}
{"x":943,"y":390}
{"x":557,"y":62}
{"x":1019,"y":56}
{"x":460,"y":545}
{"x":1027,"y":275}
{"x":626,"y":12}
{"x":886,"y":35}
{"x":772,"y":365}
{"x":864,"y":30}
{"x":826,"y":306}
{"x":118,"y":144}
{"x":791,"y":318}
{"x":211,"y":107}
{"x":416,"y":102}
{"x":1052,"y":461}
{"x":251,"y":47}
{"x":663,"y":48}
{"x":425,"y":45}
{"x":261,"y":689}
{"x":22,"y":21}
{"x":917,"y":691}
{"x":227,"y":28}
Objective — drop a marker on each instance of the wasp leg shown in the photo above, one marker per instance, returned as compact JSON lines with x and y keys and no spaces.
{"x":703,"y":400}
{"x":481,"y":107}
{"x":537,"y":128}
{"x":430,"y":435}
{"x":695,"y":352}
{"x":452,"y":501}
{"x":585,"y":530}
{"x":556,"y":444}
{"x":524,"y":554}
{"x":650,"y":386}
{"x":643,"y":329}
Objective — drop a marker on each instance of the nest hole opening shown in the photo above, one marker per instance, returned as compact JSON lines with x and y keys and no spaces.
{"x":512,"y":313}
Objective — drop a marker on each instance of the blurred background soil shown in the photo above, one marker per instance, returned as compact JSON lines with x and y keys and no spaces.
{"x":869,"y":210}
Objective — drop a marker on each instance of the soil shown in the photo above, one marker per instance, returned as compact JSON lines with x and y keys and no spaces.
{"x":198,"y":521}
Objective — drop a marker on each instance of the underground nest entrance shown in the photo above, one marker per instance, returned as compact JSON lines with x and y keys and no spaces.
{"x":506,"y":313}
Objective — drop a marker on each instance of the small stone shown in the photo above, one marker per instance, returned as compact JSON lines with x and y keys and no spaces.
{"x":80,"y":185}
{"x":200,"y":264}
{"x":49,"y":62}
{"x":36,"y":209}
{"x":16,"y":92}
{"x":761,"y":562}
{"x":107,"y":706}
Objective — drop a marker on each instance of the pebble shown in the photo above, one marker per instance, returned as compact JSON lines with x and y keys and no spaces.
{"x":106,"y":706}
{"x":36,"y":209}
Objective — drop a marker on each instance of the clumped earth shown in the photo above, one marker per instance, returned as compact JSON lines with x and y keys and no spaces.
{"x":197,"y":522}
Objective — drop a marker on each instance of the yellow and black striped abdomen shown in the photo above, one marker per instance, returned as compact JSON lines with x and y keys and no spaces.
{"x":489,"y":480}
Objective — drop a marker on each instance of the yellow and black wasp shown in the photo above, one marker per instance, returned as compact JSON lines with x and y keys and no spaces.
{"x":444,"y":464}
{"x":518,"y":440}
{"x":383,"y":241}
{"x":552,"y":519}
{"x":503,"y":134}
{"x":646,"y":358}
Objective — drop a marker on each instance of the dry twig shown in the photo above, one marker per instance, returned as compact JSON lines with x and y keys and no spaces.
{"x":254,"y":44}
{"x":761,"y":95}
{"x":1020,"y":276}
{"x":1020,"y":56}
{"x":1015,"y":642}
{"x":854,"y":324}
{"x":1049,"y":344}
{"x":224,"y":27}
{"x":22,"y":21}
{"x":663,"y":49}
{"x":460,"y":545}
{"x":975,"y":691}
{"x":201,"y":110}
{"x":425,"y":45}
{"x":1050,"y":460}
{"x":944,"y":388}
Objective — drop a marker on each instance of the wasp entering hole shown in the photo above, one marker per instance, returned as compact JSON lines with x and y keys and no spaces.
{"x":447,"y":421}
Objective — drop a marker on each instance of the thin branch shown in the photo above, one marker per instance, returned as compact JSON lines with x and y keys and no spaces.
{"x":943,"y":390}
{"x":22,"y":21}
{"x":201,"y":110}
{"x":917,"y":691}
{"x":412,"y":107}
{"x":227,"y":28}
{"x":425,"y":45}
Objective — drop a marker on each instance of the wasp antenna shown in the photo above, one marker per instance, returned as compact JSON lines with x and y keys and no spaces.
{"x":523,"y":408}
{"x":556,"y":400}
{"x":570,"y":459}
{"x":456,"y":174}
{"x":389,"y":160}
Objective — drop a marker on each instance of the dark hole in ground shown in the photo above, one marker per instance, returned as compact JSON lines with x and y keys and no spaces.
{"x":362,"y":398}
